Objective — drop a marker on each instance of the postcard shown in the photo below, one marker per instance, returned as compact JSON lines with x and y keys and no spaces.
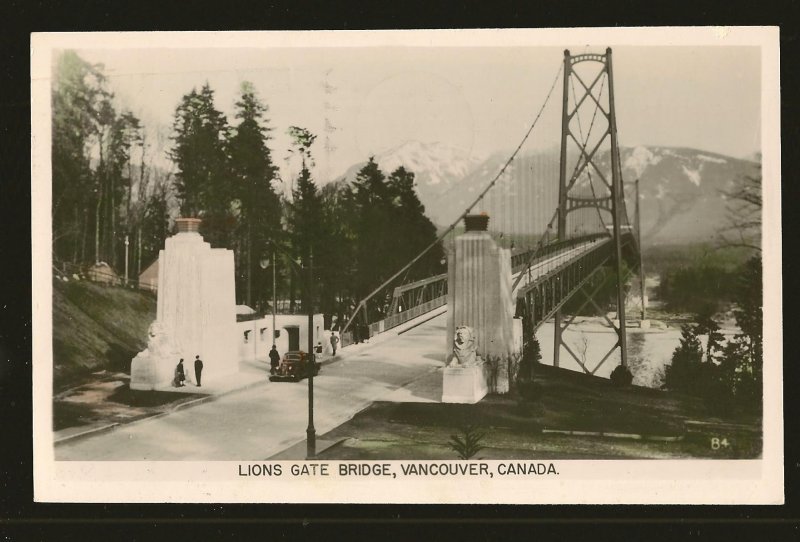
{"x":529,"y":266}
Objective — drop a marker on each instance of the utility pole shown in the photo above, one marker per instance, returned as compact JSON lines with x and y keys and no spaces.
{"x":274,"y":295}
{"x":311,"y":434}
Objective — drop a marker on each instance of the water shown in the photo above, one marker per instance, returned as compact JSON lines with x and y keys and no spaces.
{"x":649,"y":350}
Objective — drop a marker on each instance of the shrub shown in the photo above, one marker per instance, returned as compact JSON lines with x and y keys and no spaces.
{"x":621,"y":376}
{"x":468,"y":443}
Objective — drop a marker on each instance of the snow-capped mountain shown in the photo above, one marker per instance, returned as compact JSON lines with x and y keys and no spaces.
{"x":682,"y":190}
{"x":436,"y":166}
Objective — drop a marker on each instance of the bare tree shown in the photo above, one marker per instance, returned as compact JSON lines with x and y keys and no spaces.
{"x":744,"y":214}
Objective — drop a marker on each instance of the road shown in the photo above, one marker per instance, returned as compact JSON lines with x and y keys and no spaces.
{"x":258,"y":422}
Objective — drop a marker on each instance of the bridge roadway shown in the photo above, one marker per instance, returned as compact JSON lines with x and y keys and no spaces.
{"x":263,"y":420}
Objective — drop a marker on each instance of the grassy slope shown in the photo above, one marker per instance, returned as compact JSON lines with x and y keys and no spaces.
{"x":562,"y":400}
{"x":97,"y":328}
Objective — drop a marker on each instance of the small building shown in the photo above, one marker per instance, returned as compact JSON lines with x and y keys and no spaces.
{"x":291,"y":333}
{"x":148,"y":279}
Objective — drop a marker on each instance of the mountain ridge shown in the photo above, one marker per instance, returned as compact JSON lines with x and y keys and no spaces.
{"x":683,"y":189}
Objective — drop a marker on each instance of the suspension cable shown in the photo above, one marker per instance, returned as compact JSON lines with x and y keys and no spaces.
{"x":362,"y":303}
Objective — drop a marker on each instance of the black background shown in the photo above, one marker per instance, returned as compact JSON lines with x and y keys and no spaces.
{"x":22,"y":519}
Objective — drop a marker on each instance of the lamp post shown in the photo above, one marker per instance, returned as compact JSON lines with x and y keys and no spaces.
{"x":311,"y":434}
{"x":264,"y":263}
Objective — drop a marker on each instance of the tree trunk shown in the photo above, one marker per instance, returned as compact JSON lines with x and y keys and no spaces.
{"x":249,"y":277}
{"x":291,"y":291}
{"x":76,"y":236}
{"x":84,"y":231}
{"x":97,"y":225}
{"x":112,"y":237}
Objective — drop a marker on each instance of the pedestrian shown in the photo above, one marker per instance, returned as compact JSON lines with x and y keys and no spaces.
{"x":334,"y":342}
{"x":274,"y":360}
{"x":198,"y":369}
{"x":180,"y":376}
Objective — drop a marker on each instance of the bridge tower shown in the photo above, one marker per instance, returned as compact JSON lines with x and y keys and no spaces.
{"x":588,"y":186}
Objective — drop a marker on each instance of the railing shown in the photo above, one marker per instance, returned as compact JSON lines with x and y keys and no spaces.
{"x":543,"y":297}
{"x":439,"y":282}
{"x":520,"y":259}
{"x":402,"y":317}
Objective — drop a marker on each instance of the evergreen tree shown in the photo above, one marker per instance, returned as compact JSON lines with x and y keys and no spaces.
{"x":684,"y":370}
{"x":707,"y":326}
{"x":375,"y":239}
{"x":338,"y":251}
{"x":413,"y":230}
{"x":305,"y":217}
{"x":259,"y":206}
{"x":742,"y":359}
{"x":203,"y":177}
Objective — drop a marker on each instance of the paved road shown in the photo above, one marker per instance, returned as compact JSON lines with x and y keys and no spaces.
{"x":258,"y":422}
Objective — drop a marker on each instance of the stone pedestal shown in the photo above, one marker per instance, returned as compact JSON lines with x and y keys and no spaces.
{"x":465,"y":385}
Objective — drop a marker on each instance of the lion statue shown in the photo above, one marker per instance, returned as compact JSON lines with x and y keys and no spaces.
{"x":464,"y":348}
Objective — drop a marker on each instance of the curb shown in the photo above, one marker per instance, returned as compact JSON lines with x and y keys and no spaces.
{"x":88,"y":432}
{"x":180,"y":406}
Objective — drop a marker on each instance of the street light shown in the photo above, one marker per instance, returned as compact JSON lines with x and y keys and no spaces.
{"x":264,"y":263}
{"x":311,"y":433}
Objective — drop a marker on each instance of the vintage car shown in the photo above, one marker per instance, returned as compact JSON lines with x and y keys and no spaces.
{"x":294,"y":366}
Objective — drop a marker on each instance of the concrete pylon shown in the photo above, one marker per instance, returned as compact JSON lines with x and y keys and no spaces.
{"x":479,"y":296}
{"x":196,"y":313}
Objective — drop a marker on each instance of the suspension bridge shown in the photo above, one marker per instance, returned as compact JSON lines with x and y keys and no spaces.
{"x":565,"y":222}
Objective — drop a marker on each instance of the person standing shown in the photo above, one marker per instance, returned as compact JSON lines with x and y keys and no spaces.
{"x":274,"y":360}
{"x":334,"y":342}
{"x":180,"y":376}
{"x":198,"y":369}
{"x":318,"y":351}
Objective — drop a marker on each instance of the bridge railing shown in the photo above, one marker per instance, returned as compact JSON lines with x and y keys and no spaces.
{"x":410,"y":292}
{"x":550,"y":291}
{"x":402,"y":317}
{"x":520,"y":259}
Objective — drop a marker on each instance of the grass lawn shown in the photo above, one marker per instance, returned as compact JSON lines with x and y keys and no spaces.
{"x":649,"y":424}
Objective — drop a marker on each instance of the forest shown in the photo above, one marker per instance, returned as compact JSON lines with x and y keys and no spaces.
{"x":110,"y":195}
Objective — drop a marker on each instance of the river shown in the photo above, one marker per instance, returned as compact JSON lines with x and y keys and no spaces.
{"x":649,"y":350}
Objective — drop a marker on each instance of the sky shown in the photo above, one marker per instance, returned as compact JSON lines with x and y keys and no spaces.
{"x":479,"y":99}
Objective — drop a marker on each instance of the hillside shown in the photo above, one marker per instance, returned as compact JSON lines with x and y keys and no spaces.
{"x":96,"y":328}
